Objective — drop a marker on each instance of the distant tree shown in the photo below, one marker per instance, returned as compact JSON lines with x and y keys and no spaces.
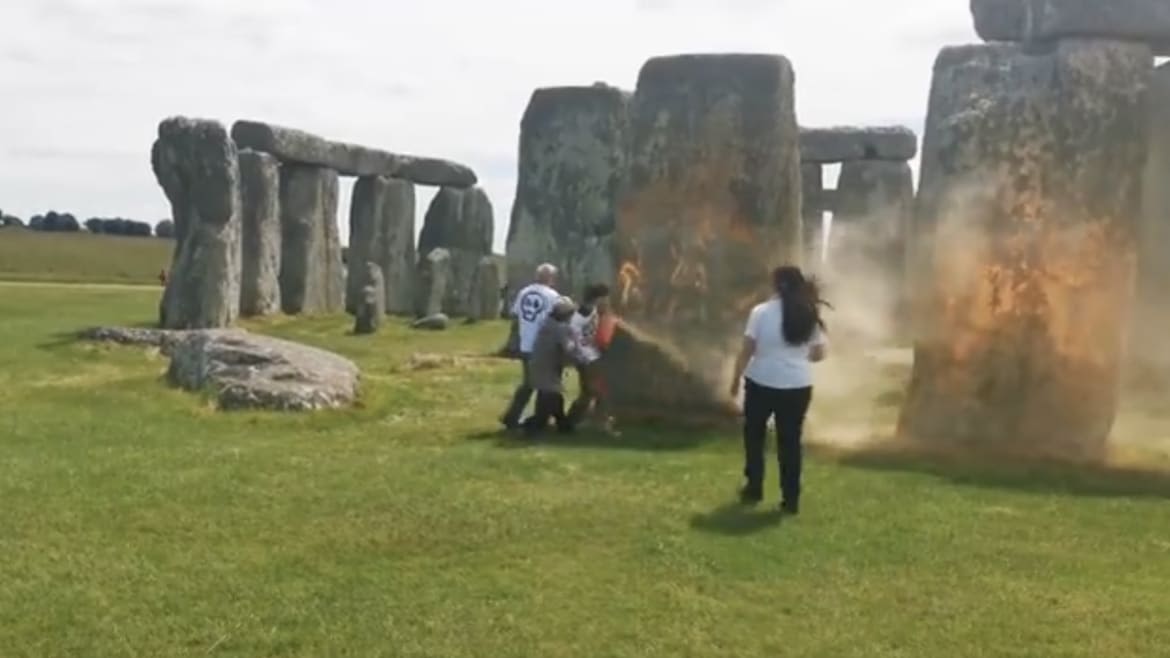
{"x":94,"y":225}
{"x":37,"y":223}
{"x":165,"y":229}
{"x":9,"y":221}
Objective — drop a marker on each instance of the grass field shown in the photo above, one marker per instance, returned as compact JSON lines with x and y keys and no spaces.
{"x":137,"y":521}
{"x":81,"y":257}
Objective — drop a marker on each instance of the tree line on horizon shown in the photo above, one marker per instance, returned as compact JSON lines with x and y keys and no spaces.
{"x":55,"y":222}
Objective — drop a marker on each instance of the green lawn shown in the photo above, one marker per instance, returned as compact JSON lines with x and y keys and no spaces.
{"x":82,"y":257}
{"x":137,"y":521}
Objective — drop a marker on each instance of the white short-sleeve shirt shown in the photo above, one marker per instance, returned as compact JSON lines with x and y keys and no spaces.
{"x":776,"y":364}
{"x":532,"y":306}
{"x":585,"y":332}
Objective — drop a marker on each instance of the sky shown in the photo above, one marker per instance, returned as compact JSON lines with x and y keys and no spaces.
{"x":84,"y":83}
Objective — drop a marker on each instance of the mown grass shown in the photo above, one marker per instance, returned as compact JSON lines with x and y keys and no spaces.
{"x":81,"y":257}
{"x":137,"y":521}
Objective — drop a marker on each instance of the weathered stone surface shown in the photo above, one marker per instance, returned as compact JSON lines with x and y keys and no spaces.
{"x":246,"y":371}
{"x":460,"y":222}
{"x":651,"y":380}
{"x":372,"y":305}
{"x":1148,"y":358}
{"x":485,"y":300}
{"x":436,"y":322}
{"x":1039,"y":21}
{"x":713,"y":201}
{"x":867,"y":251}
{"x":298,"y":146}
{"x":381,"y":229}
{"x":311,"y":275}
{"x":260,"y":264}
{"x":398,"y":251}
{"x":573,"y":158}
{"x":848,"y":143}
{"x":160,"y":338}
{"x":196,"y":164}
{"x":434,"y":275}
{"x":1025,"y":250}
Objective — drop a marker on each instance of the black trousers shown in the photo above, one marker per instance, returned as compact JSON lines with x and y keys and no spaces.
{"x":521,"y":396}
{"x":789,"y":407}
{"x":549,"y":406}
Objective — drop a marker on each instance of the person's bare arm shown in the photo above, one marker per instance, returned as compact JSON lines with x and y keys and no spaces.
{"x":746,"y":351}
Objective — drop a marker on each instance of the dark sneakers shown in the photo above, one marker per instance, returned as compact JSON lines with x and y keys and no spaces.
{"x":750,"y":495}
{"x":791,"y":509}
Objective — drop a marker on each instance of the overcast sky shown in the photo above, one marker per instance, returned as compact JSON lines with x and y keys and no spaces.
{"x":83,"y":83}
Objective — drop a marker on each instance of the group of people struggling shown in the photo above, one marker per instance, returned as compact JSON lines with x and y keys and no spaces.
{"x":784,"y":336}
{"x":555,"y":333}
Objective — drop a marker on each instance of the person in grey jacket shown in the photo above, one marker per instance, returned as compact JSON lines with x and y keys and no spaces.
{"x":556,"y":348}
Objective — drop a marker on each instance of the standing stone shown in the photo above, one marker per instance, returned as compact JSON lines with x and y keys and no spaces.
{"x":1148,"y":358}
{"x":573,"y":157}
{"x":381,"y":230}
{"x":1031,"y":178}
{"x":712,"y":205}
{"x":260,"y":269}
{"x":812,"y":185}
{"x":311,"y":278}
{"x":485,"y":302}
{"x":867,"y":254}
{"x":197,"y":166}
{"x":372,"y":305}
{"x":365,"y":236}
{"x":398,"y":255}
{"x":461,"y":223}
{"x":434,"y":275}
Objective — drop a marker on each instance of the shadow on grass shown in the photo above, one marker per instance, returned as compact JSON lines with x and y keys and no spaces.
{"x":736,"y":520}
{"x":646,"y":438}
{"x":1018,"y":474}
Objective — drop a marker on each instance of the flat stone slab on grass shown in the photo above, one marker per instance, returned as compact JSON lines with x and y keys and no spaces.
{"x":1039,"y":21}
{"x":247,"y":371}
{"x":294,"y":145}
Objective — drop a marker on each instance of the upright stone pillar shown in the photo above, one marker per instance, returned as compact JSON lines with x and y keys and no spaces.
{"x":573,"y":152}
{"x":712,"y":205}
{"x":311,"y":275}
{"x":1031,"y":178}
{"x":382,"y":231}
{"x":1149,"y":358}
{"x":196,"y":164}
{"x":434,"y":277}
{"x":868,"y":257}
{"x":260,"y":194}
{"x":460,"y":222}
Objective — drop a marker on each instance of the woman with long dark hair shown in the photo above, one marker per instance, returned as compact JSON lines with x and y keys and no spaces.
{"x":784,"y":336}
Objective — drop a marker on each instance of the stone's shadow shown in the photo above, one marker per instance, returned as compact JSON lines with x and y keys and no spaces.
{"x":1023,"y":475}
{"x":736,"y":520}
{"x":643,"y":438}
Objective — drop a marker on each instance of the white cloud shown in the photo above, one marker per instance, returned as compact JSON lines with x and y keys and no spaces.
{"x":86,"y":81}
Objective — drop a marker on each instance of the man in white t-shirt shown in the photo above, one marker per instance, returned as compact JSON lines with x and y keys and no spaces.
{"x":533,"y":304}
